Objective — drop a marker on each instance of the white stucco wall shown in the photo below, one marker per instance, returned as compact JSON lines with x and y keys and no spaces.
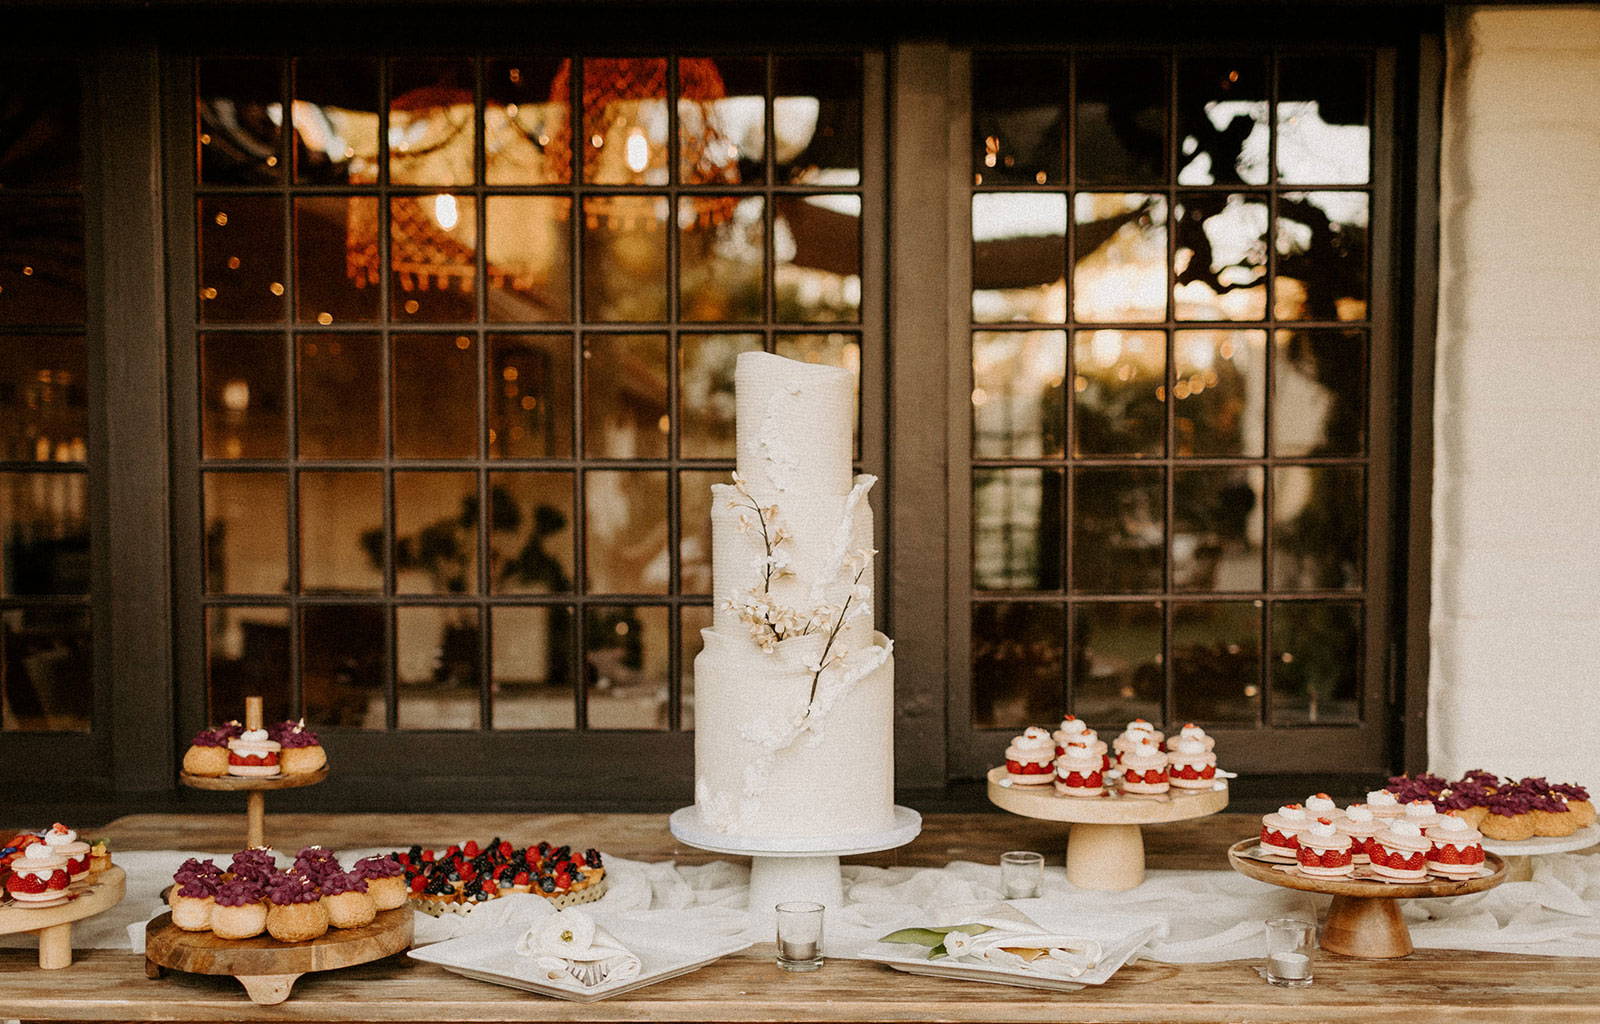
{"x":1515,"y":673}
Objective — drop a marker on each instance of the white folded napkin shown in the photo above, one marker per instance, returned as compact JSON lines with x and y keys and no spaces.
{"x":1056,"y":955}
{"x":568,"y":946}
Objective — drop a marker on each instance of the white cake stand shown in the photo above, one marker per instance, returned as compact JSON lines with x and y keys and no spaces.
{"x":794,"y":869}
{"x":1519,"y":853}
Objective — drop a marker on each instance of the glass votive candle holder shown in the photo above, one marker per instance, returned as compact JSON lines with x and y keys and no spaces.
{"x":1291,"y":947}
{"x":799,"y":936}
{"x":1021,"y":874}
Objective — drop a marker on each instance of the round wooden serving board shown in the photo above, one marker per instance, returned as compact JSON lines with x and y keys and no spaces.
{"x":266,"y":967}
{"x":54,"y":923}
{"x":244,"y":783}
{"x":1364,"y":919}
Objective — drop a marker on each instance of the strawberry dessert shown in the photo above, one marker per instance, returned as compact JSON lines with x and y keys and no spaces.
{"x":1137,"y":731}
{"x":1321,"y":805}
{"x":1190,"y":765}
{"x":1421,"y":813}
{"x":1401,"y":854}
{"x":64,"y":841}
{"x":1144,"y":769}
{"x":1194,"y":732}
{"x":1324,"y":852}
{"x":1031,"y":758}
{"x":253,"y":754}
{"x":1456,"y":850}
{"x":1280,"y":830}
{"x":1079,"y":772}
{"x":1360,"y":827}
{"x":1384,"y":804}
{"x":38,"y":876}
{"x":1073,"y":730}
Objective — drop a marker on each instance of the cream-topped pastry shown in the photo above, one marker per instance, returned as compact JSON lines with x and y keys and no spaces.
{"x":38,"y":876}
{"x":1324,"y":851}
{"x":1402,"y":852}
{"x":1421,"y":812}
{"x":1137,"y":731}
{"x":1194,"y":732}
{"x":1080,"y":771}
{"x":1384,"y":804}
{"x":1190,"y":764}
{"x":65,"y":841}
{"x":1031,"y":757}
{"x":1144,"y":769}
{"x":1359,"y":825}
{"x":1073,"y":730}
{"x":253,"y":754}
{"x":1280,"y":830}
{"x":1321,"y":805}
{"x":1456,"y":849}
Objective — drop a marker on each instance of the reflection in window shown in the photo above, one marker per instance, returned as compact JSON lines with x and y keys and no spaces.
{"x":1019,"y":256}
{"x":1018,"y":401}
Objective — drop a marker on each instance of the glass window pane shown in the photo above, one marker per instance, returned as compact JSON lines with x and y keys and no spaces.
{"x":340,"y":381}
{"x":625,"y":396}
{"x":721,"y":262}
{"x":625,"y":520}
{"x":530,"y":396}
{"x":529,"y":240}
{"x":44,"y":533}
{"x":1016,"y":529}
{"x":1121,"y":120}
{"x":694,"y":618}
{"x":1019,"y":119}
{"x":816,"y":119}
{"x":342,"y":666}
{"x":435,"y":395}
{"x":1324,"y":130}
{"x":527,"y":121}
{"x":1317,"y":650}
{"x":1119,"y":378}
{"x":336,"y":259}
{"x":1117,"y":670}
{"x":241,"y":259}
{"x":247,"y":655}
{"x":1018,"y":401}
{"x":721,"y":120}
{"x":1221,"y":257}
{"x":532,"y":667}
{"x":41,"y":260}
{"x":431,"y":121}
{"x":817,"y":250}
{"x":625,"y":120}
{"x":1017,"y":653}
{"x":1217,"y":523}
{"x":1216,"y":662}
{"x":247,"y":533}
{"x":341,"y":532}
{"x":1322,"y":256}
{"x":436,"y":533}
{"x":433,"y":254}
{"x":1317,"y":514}
{"x":39,"y":147}
{"x":624,"y":258}
{"x":44,"y":398}
{"x":1220,"y":387}
{"x":626,"y":657}
{"x":530,"y":540}
{"x":831,"y":349}
{"x":1223,"y":121}
{"x":1119,"y":271}
{"x":1117,"y":542}
{"x":46,"y":669}
{"x":1319,"y":404}
{"x":243,"y":398}
{"x":1019,"y":257}
{"x":705,"y":392}
{"x":694,"y":528}
{"x":437,"y":656}
{"x":336,"y":120}
{"x":240,"y":110}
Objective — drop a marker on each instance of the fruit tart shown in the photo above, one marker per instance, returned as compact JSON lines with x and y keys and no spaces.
{"x":456,"y":879}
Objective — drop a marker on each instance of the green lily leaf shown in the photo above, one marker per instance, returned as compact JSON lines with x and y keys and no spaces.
{"x":937,"y":952}
{"x":916,"y":936}
{"x":970,"y":929}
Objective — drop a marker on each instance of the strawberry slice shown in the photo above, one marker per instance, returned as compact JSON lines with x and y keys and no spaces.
{"x":419,"y":883}
{"x":471,"y":849}
{"x":505,"y":849}
{"x":1445,"y":855}
{"x":521,"y":879}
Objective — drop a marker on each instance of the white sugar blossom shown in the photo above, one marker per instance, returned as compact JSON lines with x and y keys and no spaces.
{"x":957,"y":944}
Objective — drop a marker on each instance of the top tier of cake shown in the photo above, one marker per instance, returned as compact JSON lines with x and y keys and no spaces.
{"x":795,"y":427}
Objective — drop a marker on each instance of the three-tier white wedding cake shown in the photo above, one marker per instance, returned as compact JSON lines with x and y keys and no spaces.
{"x":794,"y":691}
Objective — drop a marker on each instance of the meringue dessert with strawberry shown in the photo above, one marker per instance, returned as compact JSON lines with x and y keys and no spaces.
{"x":253,"y":755}
{"x":1456,"y":849}
{"x":1190,"y":765}
{"x":1144,"y":769}
{"x":1421,"y":813}
{"x":1324,"y":852}
{"x":1321,"y":805}
{"x":1280,"y":830}
{"x":64,"y":841}
{"x":1194,"y":732}
{"x":1137,"y":731}
{"x":1402,"y":853}
{"x":38,"y":876}
{"x":1031,"y":758}
{"x":1384,"y":804}
{"x":1079,"y":772}
{"x":1359,"y":826}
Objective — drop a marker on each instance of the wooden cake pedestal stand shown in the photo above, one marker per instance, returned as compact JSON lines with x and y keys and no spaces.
{"x":1105,"y":847}
{"x":266,"y":967}
{"x":1364,"y":919}
{"x":54,"y":924}
{"x":254,"y":788}
{"x":1518,"y":854}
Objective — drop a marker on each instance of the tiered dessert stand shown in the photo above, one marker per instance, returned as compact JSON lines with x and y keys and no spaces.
{"x":53,"y":923}
{"x":1519,"y":853}
{"x":1364,"y":919}
{"x":1105,"y":846}
{"x":795,"y":869}
{"x":255,"y":789}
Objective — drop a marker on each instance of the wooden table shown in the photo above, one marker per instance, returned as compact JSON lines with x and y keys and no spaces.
{"x":1432,"y":985}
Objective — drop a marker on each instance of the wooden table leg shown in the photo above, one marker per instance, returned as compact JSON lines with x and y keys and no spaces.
{"x":55,"y":947}
{"x":1105,"y":858}
{"x":268,"y":989}
{"x":1368,"y":927}
{"x":255,"y":810}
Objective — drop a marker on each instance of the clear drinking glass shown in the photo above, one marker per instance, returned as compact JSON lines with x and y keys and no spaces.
{"x":1291,"y":947}
{"x":799,"y":936}
{"x":1021,"y":874}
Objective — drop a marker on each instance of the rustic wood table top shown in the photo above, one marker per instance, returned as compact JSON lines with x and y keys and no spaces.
{"x":1431,"y":985}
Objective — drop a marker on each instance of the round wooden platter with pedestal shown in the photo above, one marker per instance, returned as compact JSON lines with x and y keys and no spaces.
{"x":53,"y":923}
{"x":1364,"y":919}
{"x":266,"y":967}
{"x":1105,"y":848}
